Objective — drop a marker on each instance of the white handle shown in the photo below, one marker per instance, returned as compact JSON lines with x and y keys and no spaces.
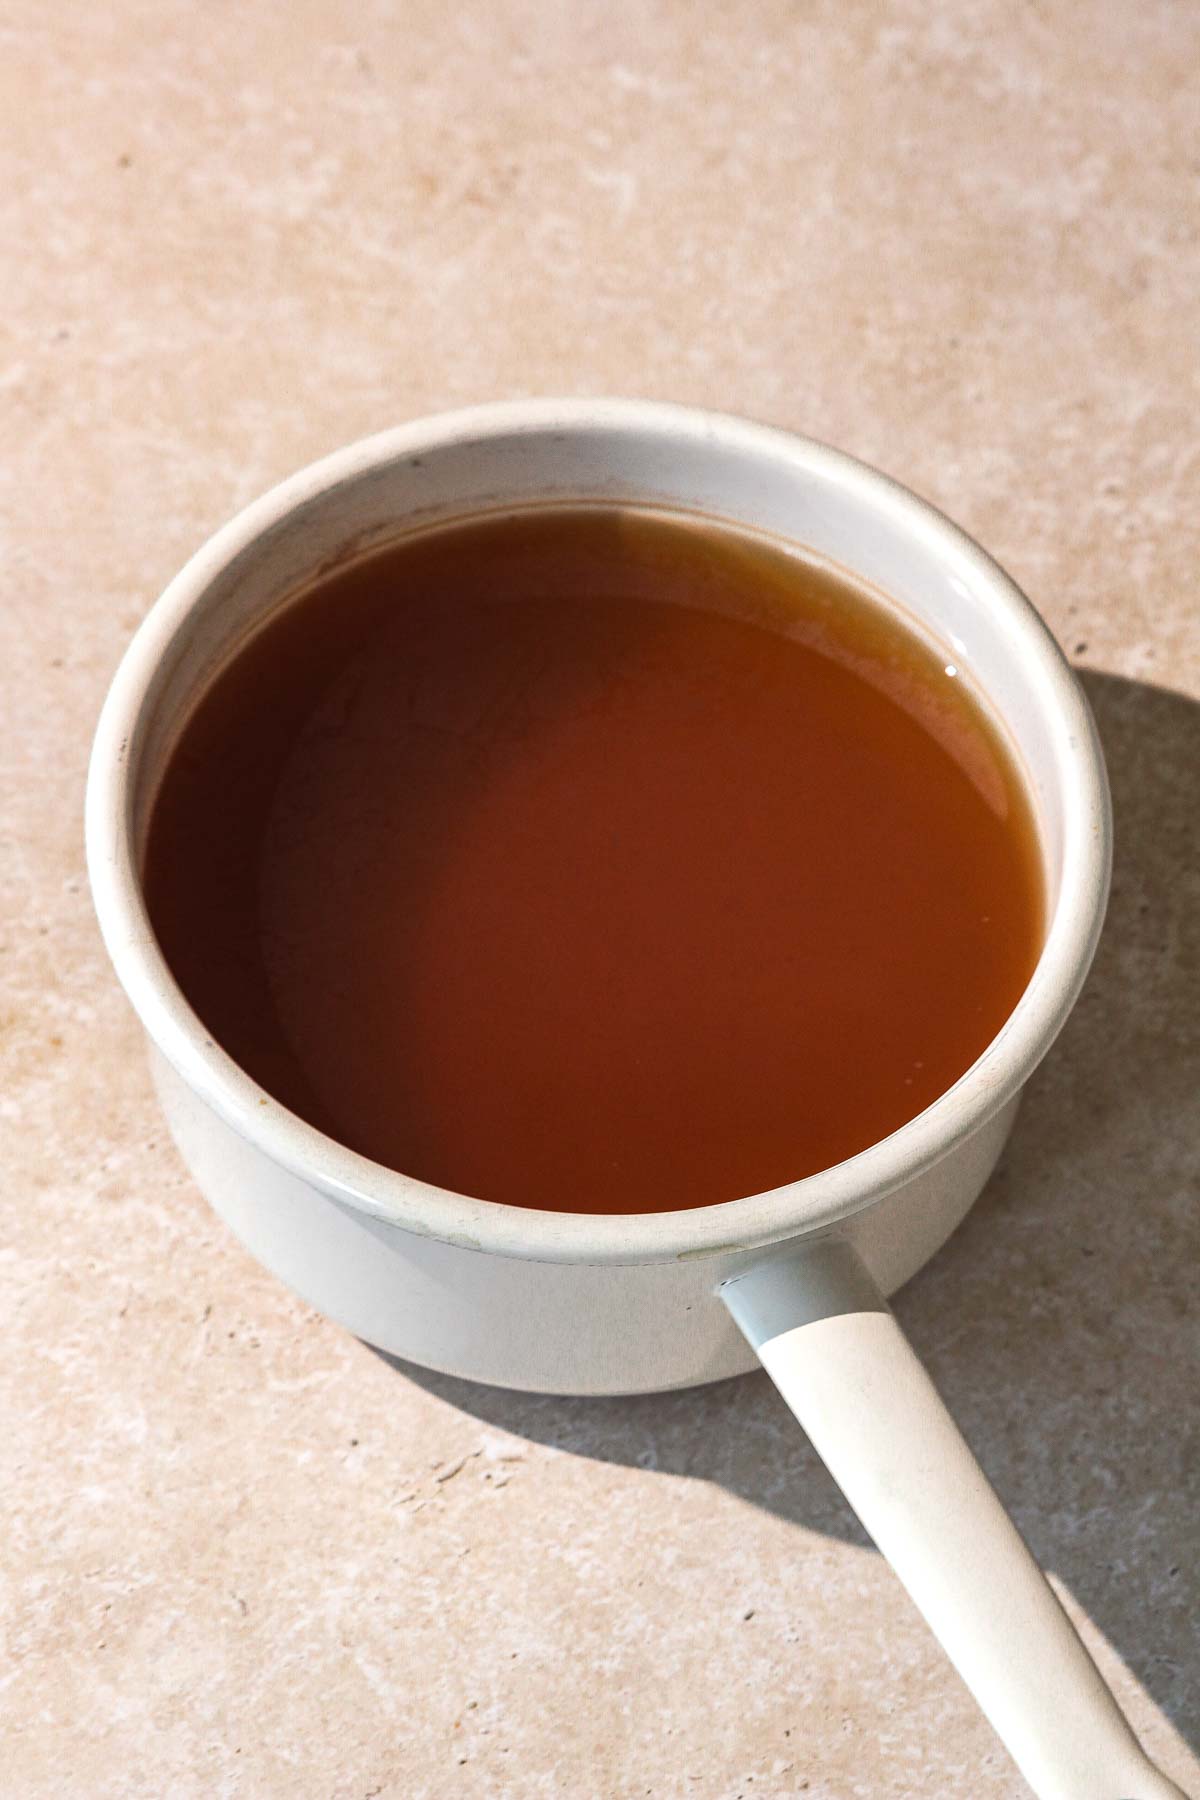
{"x":833,"y":1348}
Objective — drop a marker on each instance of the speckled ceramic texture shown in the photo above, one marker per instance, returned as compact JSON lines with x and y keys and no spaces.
{"x":242,"y":1554}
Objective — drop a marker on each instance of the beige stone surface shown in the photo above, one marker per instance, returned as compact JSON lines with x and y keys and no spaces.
{"x":242,"y":1554}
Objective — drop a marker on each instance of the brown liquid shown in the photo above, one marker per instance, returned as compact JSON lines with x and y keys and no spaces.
{"x":594,"y":860}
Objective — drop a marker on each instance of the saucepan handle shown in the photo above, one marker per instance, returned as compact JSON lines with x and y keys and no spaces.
{"x":833,"y":1348}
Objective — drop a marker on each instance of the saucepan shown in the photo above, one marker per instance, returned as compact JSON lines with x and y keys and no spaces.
{"x":794,"y":1278}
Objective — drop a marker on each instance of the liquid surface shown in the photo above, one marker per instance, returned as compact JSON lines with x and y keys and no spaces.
{"x":596,"y":861}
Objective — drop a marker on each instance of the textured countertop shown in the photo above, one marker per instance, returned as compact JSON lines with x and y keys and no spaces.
{"x":243,"y":1554}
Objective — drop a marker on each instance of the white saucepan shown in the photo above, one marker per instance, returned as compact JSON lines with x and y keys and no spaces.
{"x":566,"y":1303}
